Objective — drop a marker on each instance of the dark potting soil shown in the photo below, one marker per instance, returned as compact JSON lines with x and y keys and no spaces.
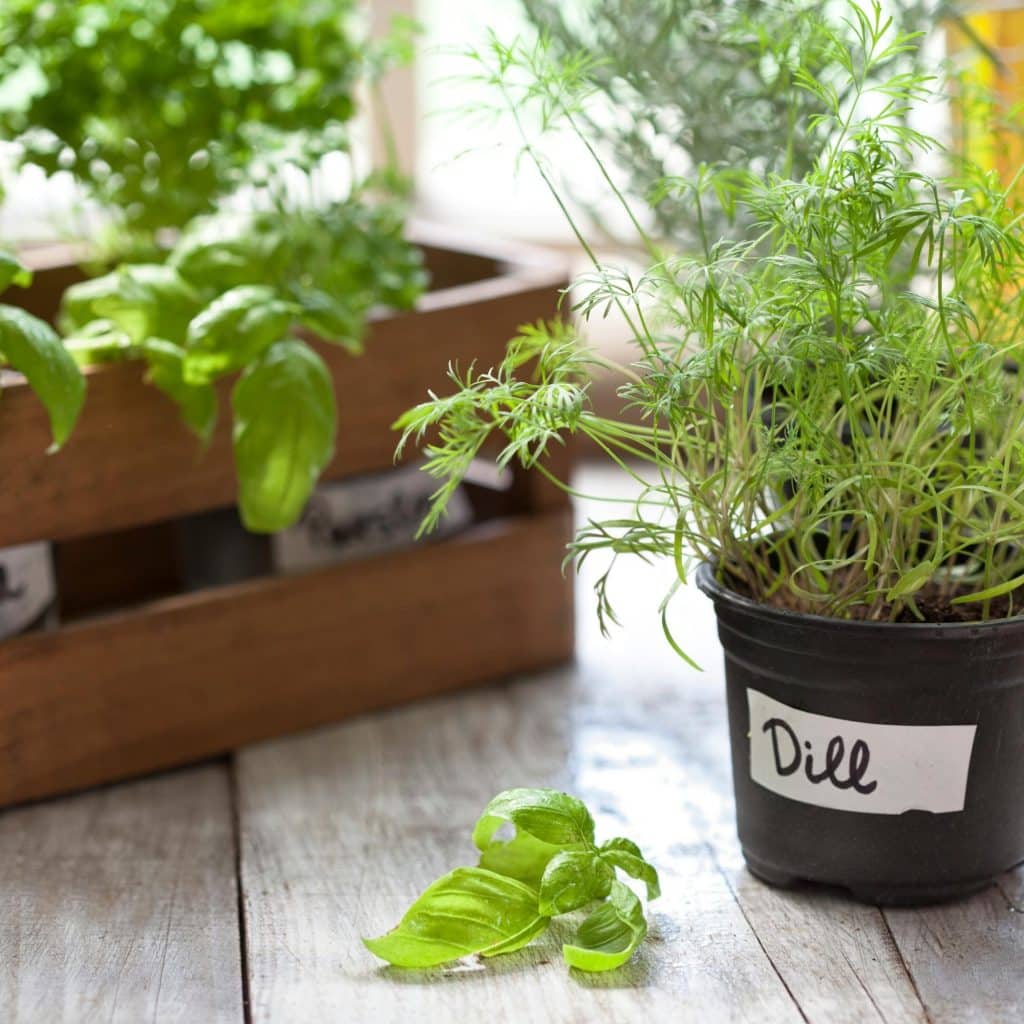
{"x":935,"y":607}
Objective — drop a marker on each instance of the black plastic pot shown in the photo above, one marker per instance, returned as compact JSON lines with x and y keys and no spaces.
{"x":884,"y":758}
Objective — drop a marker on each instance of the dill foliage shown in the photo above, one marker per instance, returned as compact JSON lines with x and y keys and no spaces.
{"x":829,"y":408}
{"x":679,"y":83}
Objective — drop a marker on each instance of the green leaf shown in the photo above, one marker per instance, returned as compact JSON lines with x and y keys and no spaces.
{"x":197,"y":403}
{"x":573,"y":879}
{"x":625,"y":854}
{"x":610,"y":935}
{"x":911,"y":582}
{"x":99,"y":342}
{"x":234,"y":329}
{"x":221,"y":253}
{"x":33,"y":348}
{"x":285,"y":422}
{"x":545,"y":814}
{"x":13,"y":272}
{"x":331,"y":319}
{"x":145,"y":300}
{"x":467,"y":911}
{"x":521,"y":857}
{"x":990,"y":592}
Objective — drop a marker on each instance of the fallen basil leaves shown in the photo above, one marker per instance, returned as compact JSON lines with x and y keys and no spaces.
{"x":550,"y":866}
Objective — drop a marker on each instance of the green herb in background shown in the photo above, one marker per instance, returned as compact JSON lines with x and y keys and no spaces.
{"x":161,"y":108}
{"x":550,"y":866}
{"x":233,"y":295}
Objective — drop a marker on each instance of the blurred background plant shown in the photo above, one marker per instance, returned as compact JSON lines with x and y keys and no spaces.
{"x":162,"y":109}
{"x":681,"y":84}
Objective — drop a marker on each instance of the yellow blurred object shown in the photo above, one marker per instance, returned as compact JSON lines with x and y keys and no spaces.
{"x":987,"y":113}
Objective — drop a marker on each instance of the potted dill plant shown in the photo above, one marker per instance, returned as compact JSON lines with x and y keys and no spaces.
{"x":832,"y":446}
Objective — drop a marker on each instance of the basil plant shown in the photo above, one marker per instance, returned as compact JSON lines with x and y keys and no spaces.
{"x":236,"y":297}
{"x":31,"y":347}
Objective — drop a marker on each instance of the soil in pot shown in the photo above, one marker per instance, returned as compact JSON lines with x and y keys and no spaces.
{"x":885,"y":758}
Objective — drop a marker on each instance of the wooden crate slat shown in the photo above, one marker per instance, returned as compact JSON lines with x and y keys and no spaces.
{"x":131,"y":461}
{"x":195,"y":675}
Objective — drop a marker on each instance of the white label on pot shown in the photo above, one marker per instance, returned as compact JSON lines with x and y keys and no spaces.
{"x":858,"y":766}
{"x":364,"y":516}
{"x":27,"y":586}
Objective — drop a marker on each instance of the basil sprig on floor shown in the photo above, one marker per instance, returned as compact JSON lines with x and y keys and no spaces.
{"x":550,"y":866}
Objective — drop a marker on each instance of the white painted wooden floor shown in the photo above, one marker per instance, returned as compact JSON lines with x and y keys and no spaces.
{"x":238,"y":891}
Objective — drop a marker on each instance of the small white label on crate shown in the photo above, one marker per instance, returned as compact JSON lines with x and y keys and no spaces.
{"x":368,"y":516}
{"x":27,"y":586}
{"x":858,"y":766}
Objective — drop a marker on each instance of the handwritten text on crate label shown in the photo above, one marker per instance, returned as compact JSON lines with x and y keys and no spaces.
{"x":858,"y":766}
{"x":27,"y":586}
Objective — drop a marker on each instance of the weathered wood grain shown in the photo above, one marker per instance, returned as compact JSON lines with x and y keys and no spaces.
{"x":340,"y":830}
{"x":200,"y":674}
{"x":967,"y":958}
{"x":121,"y":905}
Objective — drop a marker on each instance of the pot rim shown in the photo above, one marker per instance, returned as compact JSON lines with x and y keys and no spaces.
{"x":721,"y":594}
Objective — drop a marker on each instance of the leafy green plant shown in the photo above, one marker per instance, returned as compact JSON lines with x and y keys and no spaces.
{"x":550,"y":866}
{"x":238,"y":294}
{"x":832,"y":410}
{"x":160,"y":108}
{"x":708,"y":83}
{"x":33,"y":348}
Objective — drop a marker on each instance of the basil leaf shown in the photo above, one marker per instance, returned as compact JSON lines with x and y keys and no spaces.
{"x":285,"y":422}
{"x":99,"y":341}
{"x":625,"y":854}
{"x":521,"y":857}
{"x":33,"y":348}
{"x":233,"y":330}
{"x":197,"y":403}
{"x":331,"y":318}
{"x":222,"y":252}
{"x":467,"y":911}
{"x":145,"y":300}
{"x":572,"y":879}
{"x":546,"y":814}
{"x":610,"y":935}
{"x":12,"y":272}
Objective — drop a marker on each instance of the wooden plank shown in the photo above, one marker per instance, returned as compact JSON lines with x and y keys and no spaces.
{"x":121,"y":905}
{"x":199,"y":674}
{"x":966,"y":957}
{"x":130,"y":460}
{"x":341,"y":829}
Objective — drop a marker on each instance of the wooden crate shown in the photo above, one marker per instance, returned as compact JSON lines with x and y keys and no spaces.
{"x":169,"y":680}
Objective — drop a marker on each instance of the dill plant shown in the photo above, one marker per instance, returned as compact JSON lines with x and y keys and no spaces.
{"x":679,"y":83}
{"x":831,"y":408}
